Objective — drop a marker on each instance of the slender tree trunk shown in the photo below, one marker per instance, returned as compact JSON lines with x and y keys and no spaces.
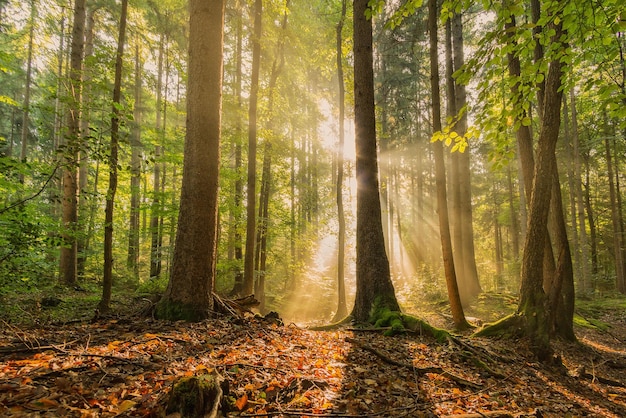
{"x":342,"y":308}
{"x":584,"y":285}
{"x":27,"y":88}
{"x":155,"y":209}
{"x":83,"y":167}
{"x":469,"y":281}
{"x":68,"y":257}
{"x":107,"y":283}
{"x":513,"y":211}
{"x":132,"y":261}
{"x":593,"y":240}
{"x":456,"y":307}
{"x":238,"y":192}
{"x":248,"y":276}
{"x":374,"y":286}
{"x":620,"y":281}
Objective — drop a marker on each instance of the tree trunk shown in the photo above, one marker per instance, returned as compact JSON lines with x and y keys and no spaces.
{"x":469,"y":281}
{"x":584,"y":285}
{"x":532,"y":296}
{"x":27,"y":88}
{"x":107,"y":281}
{"x":248,"y":276}
{"x":238,"y":192}
{"x":132,"y":261}
{"x":374,"y":287}
{"x":188,"y":294}
{"x":620,"y":282}
{"x":68,"y":257}
{"x":86,"y":136}
{"x":155,"y":208}
{"x":456,"y":307}
{"x":342,"y":308}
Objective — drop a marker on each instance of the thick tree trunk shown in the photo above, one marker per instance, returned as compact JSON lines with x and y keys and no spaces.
{"x":107,"y":281}
{"x":456,"y":307}
{"x":533,"y":298}
{"x":374,"y":286}
{"x":68,"y":257}
{"x":188,"y":294}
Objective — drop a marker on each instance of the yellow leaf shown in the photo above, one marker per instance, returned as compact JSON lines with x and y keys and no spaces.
{"x":126,"y":405}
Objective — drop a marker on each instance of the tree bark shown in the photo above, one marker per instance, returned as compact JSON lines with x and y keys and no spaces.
{"x":456,"y":306}
{"x":132,"y":261}
{"x":68,"y":257}
{"x":374,"y":286}
{"x":342,"y":308}
{"x":248,"y":275}
{"x":532,"y":296}
{"x":189,"y":291}
{"x":107,"y":282}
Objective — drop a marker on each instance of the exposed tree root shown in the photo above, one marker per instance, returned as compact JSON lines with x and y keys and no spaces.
{"x":419,"y":370}
{"x":509,"y":326}
{"x":333,"y":326}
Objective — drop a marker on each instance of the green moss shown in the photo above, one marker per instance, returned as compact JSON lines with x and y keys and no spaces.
{"x":195,"y":396}
{"x":590,"y":323}
{"x":509,"y":326}
{"x":177,"y":311}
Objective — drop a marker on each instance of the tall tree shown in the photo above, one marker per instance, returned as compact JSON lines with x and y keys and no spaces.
{"x":374,"y":287}
{"x":27,"y":87}
{"x":248,"y":276}
{"x":68,"y":257}
{"x":132,"y":260}
{"x":107,"y":281}
{"x":532,"y":296}
{"x":458,"y":315}
{"x":189,"y":291}
{"x":342,"y":309}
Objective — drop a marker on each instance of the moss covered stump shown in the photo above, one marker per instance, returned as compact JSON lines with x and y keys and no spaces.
{"x":197,"y":397}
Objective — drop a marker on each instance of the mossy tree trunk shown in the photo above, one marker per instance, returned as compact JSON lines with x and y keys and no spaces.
{"x":373,"y":275}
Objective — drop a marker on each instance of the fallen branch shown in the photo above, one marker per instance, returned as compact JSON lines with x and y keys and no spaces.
{"x":419,"y":370}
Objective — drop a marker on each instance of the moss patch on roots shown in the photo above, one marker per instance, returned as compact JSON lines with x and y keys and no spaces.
{"x":176,"y":311}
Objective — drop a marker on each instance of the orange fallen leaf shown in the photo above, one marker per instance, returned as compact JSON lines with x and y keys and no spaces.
{"x":241,"y":403}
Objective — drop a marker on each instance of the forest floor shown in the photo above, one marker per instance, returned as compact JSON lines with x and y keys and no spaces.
{"x":126,"y":365}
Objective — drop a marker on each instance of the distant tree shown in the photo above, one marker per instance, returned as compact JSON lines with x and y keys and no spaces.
{"x":189,"y":291}
{"x":373,"y":278}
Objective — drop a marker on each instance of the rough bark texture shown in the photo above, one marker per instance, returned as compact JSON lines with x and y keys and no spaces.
{"x":374,"y":285}
{"x":68,"y":259}
{"x":188,"y":294}
{"x":533,"y":298}
{"x":440,"y":177}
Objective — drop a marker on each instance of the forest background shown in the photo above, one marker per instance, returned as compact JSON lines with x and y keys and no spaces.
{"x":45,"y":147}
